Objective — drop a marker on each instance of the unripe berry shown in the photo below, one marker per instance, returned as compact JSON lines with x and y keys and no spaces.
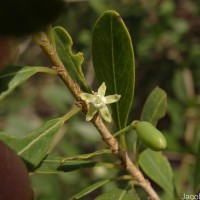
{"x":150,"y":136}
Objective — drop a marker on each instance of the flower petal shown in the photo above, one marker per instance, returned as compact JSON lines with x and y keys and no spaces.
{"x":112,"y":98}
{"x":91,"y":112}
{"x":105,"y":114}
{"x":86,"y":97}
{"x":102,"y":89}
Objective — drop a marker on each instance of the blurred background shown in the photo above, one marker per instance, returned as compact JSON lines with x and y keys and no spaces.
{"x":166,"y":41}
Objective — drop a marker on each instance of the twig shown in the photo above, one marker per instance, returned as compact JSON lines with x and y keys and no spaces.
{"x":43,"y":42}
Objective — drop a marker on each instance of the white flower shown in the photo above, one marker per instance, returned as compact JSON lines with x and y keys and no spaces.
{"x":98,"y":101}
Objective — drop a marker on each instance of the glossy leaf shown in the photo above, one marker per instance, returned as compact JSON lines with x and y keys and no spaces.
{"x":34,"y":146}
{"x":113,"y":60}
{"x":155,"y":106}
{"x":157,"y":167}
{"x":72,"y":62}
{"x":55,"y":164}
{"x":118,"y":194}
{"x":13,"y":76}
{"x":91,"y":188}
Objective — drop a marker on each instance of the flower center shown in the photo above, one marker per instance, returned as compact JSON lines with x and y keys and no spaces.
{"x":98,"y":101}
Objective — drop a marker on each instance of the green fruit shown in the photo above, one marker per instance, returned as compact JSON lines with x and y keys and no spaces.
{"x":150,"y":136}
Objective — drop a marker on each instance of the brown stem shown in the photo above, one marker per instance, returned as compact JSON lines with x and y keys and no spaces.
{"x":99,"y":124}
{"x":123,"y":156}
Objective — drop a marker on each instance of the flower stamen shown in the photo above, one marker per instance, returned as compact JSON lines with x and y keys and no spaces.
{"x":97,"y":102}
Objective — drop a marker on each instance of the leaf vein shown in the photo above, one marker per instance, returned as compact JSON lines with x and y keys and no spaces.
{"x":160,"y":174}
{"x":113,"y":70}
{"x":36,"y":139}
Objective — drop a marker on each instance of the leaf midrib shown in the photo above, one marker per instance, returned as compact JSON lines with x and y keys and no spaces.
{"x":160,"y":174}
{"x":37,"y":138}
{"x":113,"y":70}
{"x":121,"y":196}
{"x":21,"y":71}
{"x":157,"y":108}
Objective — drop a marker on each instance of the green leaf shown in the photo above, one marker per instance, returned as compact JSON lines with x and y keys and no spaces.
{"x":118,"y":194}
{"x":168,"y":196}
{"x":196,"y":185}
{"x":55,"y":164}
{"x":34,"y":146}
{"x":90,"y":189}
{"x":178,"y":84}
{"x":113,"y":60}
{"x":89,"y":155}
{"x":72,"y":62}
{"x":155,"y":106}
{"x":14,"y":76}
{"x":157,"y":167}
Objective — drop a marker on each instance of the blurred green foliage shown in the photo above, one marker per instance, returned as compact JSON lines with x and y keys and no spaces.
{"x":166,"y":41}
